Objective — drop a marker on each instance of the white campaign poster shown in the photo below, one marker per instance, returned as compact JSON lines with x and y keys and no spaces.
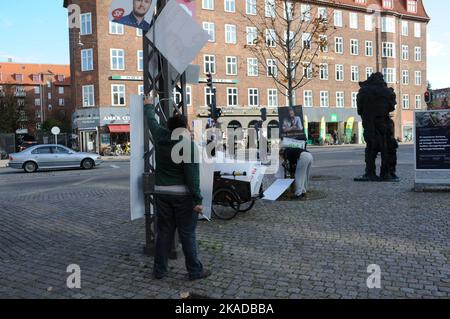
{"x":277,"y":189}
{"x":134,"y":13}
{"x":137,"y":203}
{"x":177,"y":36}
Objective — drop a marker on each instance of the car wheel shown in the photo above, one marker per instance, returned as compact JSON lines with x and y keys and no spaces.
{"x":30,"y":167}
{"x":87,"y":164}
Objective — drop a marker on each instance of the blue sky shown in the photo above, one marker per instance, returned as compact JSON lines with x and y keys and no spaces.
{"x":36,"y":31}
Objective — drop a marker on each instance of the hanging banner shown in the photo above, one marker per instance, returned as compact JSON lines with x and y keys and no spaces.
{"x":134,"y":13}
{"x":323,"y":128}
{"x":349,"y":129}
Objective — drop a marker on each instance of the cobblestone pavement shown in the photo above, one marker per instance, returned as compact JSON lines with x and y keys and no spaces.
{"x":312,"y":249}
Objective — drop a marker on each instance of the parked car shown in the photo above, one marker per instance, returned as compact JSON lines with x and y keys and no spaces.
{"x":50,"y":156}
{"x":26,"y":144}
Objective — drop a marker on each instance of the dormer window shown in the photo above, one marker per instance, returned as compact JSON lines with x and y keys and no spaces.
{"x":412,"y":6}
{"x":361,"y":1}
{"x":60,"y":78}
{"x":388,"y":4}
{"x":36,"y":78}
{"x":19,"y":77}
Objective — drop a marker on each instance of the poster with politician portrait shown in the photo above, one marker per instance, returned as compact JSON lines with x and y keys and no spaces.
{"x":134,"y":13}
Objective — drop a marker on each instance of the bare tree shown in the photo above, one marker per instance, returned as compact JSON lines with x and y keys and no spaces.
{"x":287,"y":37}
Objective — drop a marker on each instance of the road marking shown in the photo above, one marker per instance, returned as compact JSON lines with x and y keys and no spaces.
{"x":115,"y":166}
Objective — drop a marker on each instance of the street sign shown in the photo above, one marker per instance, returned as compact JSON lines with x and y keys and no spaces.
{"x":56,"y":131}
{"x":137,"y":14}
{"x":177,"y":36}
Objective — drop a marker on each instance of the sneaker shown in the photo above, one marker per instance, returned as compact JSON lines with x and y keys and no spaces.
{"x":204,"y":274}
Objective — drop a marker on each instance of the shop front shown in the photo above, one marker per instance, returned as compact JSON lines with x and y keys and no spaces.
{"x":85,"y":124}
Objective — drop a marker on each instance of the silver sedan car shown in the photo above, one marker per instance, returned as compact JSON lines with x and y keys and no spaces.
{"x":48,"y":156}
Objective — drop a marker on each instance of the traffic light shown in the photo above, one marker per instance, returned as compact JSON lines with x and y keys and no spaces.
{"x":264,"y":114}
{"x":209,"y":80}
{"x":217,"y":113}
{"x":428,"y":97}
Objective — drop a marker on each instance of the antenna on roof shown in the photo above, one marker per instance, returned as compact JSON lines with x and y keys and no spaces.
{"x":10,"y":60}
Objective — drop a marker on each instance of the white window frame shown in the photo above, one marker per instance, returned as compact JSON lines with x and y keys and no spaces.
{"x":119,"y":93}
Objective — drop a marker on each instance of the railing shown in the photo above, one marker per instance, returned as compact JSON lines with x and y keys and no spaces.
{"x":20,"y":94}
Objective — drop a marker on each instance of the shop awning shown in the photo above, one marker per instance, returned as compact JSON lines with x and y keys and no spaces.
{"x":122,"y":128}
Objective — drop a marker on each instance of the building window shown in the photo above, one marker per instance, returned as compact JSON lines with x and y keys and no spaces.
{"x":305,"y":11}
{"x":412,"y":6}
{"x":61,"y":102}
{"x":252,"y":67}
{"x":209,"y":64}
{"x":389,"y":75}
{"x":405,"y":77}
{"x":306,"y":40}
{"x":231,"y":65}
{"x":355,"y":73}
{"x":418,"y":104}
{"x":115,"y":28}
{"x":369,"y":71}
{"x":339,"y":45}
{"x":323,"y":71}
{"x":140,"y":89}
{"x":388,"y":24}
{"x":340,"y":100}
{"x":270,"y":8}
{"x":405,"y":52}
{"x":307,"y":98}
{"x":368,"y":22}
{"x":87,"y":60}
{"x":208,"y":4}
{"x":405,"y":28}
{"x":369,"y":48}
{"x":88,"y":95}
{"x":417,"y":30}
{"x":353,"y":20}
{"x":230,"y":5}
{"x":232,"y":96}
{"x":324,"y":99}
{"x":271,"y":38}
{"x":307,"y":70}
{"x":354,"y":47}
{"x":252,"y":35}
{"x":117,"y":59}
{"x":86,"y":23}
{"x":418,"y":77}
{"x":37,"y":90}
{"x":37,"y":102}
{"x":388,"y":50}
{"x":405,"y":101}
{"x":209,"y":94}
{"x":118,"y":94}
{"x":230,"y":34}
{"x":354,"y":100}
{"x":140,"y":60}
{"x":272,"y":68}
{"x":250,"y":7}
{"x":253,"y":97}
{"x":139,"y":32}
{"x":209,"y":27}
{"x":338,"y":21}
{"x":49,"y":95}
{"x":418,"y":53}
{"x":272,"y":97}
{"x":339,"y":72}
{"x":61,"y":90}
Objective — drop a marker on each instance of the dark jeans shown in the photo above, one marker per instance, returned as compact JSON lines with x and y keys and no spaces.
{"x":176,"y":212}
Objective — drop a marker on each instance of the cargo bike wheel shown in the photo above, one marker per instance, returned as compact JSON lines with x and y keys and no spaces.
{"x":225,"y":204}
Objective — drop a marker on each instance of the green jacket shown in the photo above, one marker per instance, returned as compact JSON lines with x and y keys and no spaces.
{"x":169,"y":173}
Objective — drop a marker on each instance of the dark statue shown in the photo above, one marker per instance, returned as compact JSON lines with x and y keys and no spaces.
{"x":375,"y":102}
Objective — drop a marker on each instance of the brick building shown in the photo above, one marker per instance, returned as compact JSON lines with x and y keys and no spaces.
{"x":43,"y":89}
{"x":106,"y":61}
{"x":441,"y":98}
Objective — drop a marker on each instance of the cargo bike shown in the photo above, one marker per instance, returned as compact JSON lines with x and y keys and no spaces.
{"x":232,"y":196}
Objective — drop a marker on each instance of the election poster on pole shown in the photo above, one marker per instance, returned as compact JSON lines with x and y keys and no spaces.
{"x":134,"y":13}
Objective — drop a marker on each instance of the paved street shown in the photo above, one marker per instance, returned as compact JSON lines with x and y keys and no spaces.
{"x":313,"y":249}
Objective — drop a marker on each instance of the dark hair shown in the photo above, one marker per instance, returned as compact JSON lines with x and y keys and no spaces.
{"x":177,"y":121}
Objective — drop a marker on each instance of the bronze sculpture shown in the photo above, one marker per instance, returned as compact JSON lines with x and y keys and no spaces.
{"x":375,"y":102}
